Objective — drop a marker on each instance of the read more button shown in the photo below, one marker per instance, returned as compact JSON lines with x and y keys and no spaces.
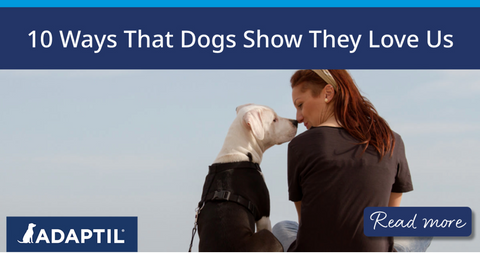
{"x":417,"y":221}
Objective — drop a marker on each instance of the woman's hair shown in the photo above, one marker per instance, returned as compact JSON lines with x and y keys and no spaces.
{"x":353,"y":112}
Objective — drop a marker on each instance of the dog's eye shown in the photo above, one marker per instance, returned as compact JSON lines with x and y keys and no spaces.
{"x":275,"y":120}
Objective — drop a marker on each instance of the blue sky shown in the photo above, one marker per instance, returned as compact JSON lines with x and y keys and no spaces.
{"x":138,"y":143}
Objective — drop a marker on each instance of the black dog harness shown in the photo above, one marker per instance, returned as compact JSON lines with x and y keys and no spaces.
{"x":239,"y":182}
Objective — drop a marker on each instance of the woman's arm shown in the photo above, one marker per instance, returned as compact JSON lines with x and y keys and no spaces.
{"x":395,"y":199}
{"x":298,"y":206}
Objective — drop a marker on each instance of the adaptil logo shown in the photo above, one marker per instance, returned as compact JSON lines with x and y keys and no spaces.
{"x":72,"y":234}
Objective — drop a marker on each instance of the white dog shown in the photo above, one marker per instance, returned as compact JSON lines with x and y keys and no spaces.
{"x":28,"y":236}
{"x":235,"y":197}
{"x":255,"y":129}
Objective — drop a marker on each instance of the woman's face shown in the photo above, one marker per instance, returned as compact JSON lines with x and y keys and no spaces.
{"x":310,"y":110}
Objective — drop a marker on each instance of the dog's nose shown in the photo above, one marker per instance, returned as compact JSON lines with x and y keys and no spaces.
{"x":294,"y":122}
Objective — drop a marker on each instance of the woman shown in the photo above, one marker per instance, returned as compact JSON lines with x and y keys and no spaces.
{"x":347,"y":160}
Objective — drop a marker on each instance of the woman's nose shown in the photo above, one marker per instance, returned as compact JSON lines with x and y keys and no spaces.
{"x":299,"y":117}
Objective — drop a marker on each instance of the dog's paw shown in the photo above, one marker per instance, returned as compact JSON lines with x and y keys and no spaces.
{"x":264,"y":223}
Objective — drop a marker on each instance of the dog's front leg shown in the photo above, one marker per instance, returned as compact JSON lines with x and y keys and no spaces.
{"x":264,"y":223}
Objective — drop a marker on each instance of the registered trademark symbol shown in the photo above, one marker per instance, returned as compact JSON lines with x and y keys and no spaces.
{"x":123,"y":230}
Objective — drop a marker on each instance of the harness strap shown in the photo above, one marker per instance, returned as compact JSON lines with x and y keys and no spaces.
{"x":224,"y":195}
{"x":229,"y":196}
{"x":219,"y":167}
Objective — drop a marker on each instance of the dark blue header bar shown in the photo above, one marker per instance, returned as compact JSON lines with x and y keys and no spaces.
{"x":239,"y":38}
{"x":238,"y":3}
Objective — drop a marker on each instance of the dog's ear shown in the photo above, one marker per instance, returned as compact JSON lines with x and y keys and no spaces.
{"x":253,"y":119}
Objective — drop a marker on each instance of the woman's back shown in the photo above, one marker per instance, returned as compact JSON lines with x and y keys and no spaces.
{"x":335,"y":180}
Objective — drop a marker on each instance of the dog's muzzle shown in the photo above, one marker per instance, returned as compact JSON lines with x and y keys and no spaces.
{"x":294,"y":122}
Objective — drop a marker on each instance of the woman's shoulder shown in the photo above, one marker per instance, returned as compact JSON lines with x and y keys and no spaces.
{"x":396,"y":135}
{"x":316,"y":133}
{"x":399,"y":144}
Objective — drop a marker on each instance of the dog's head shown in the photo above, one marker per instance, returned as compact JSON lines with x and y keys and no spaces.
{"x":266,"y":126}
{"x":31,"y":225}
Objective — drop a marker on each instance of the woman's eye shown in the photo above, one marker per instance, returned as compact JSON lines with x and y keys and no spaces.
{"x":300,"y":105}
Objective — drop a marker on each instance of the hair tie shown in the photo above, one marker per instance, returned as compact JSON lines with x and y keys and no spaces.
{"x":326,"y":76}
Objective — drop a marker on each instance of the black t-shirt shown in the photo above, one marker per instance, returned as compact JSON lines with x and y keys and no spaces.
{"x":335,"y":182}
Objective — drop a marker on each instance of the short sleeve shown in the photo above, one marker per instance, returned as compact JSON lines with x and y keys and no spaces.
{"x":294,"y":188}
{"x":403,"y":179}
